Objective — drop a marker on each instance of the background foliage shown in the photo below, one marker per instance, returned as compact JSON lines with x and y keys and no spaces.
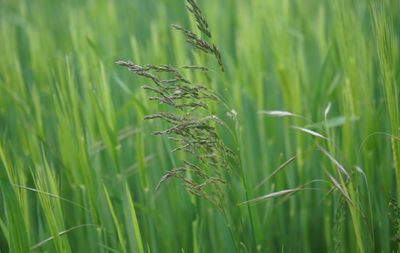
{"x":79,"y":165}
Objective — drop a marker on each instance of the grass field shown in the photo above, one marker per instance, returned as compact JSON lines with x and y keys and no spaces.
{"x":307,"y":153}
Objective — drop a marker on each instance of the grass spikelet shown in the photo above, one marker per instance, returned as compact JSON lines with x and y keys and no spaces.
{"x":308,"y":131}
{"x":337,"y":164}
{"x":327,"y":110}
{"x":195,"y":40}
{"x":283,"y":165}
{"x":278,"y":113}
{"x":337,"y":186}
{"x":284,"y":192}
{"x":200,"y":19}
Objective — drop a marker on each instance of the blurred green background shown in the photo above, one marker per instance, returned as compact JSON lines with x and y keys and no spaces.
{"x":72,"y":129}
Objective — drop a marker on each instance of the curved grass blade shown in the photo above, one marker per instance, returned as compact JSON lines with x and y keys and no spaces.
{"x":60,"y":234}
{"x":308,"y":131}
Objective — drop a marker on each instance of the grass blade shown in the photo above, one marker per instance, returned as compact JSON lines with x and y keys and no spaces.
{"x":134,"y":220}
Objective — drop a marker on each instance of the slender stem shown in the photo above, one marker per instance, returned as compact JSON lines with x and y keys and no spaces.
{"x":244,"y":181}
{"x":228,"y":225}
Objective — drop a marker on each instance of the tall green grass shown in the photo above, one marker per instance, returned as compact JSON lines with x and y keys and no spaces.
{"x":79,"y":165}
